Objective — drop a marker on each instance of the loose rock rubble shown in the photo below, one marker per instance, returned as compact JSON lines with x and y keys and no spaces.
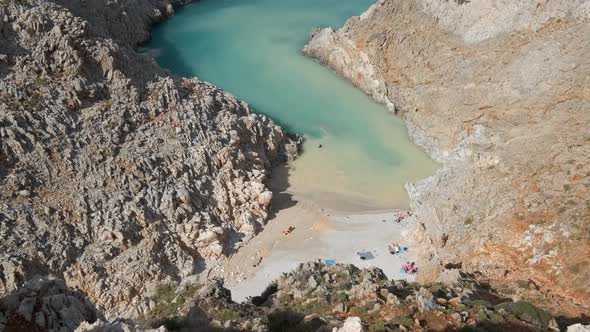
{"x":363,"y":300}
{"x":115,"y":175}
{"x":346,"y":299}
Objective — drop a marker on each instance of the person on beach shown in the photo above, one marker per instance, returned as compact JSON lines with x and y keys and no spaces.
{"x":402,"y":216}
{"x":410,"y":268}
{"x":406,"y":267}
{"x":394,"y":248}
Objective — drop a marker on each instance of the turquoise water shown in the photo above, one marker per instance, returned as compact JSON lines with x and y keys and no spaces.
{"x":252,"y":48}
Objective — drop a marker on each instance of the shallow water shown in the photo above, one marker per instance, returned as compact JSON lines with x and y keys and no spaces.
{"x":252,"y":48}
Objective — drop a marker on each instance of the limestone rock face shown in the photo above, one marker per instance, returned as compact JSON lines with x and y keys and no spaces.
{"x":115,"y":175}
{"x":46,"y":305}
{"x":497,"y":93}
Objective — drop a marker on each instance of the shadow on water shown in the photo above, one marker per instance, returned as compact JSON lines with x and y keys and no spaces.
{"x":169,"y":54}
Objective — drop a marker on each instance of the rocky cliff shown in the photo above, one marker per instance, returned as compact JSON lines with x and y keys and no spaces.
{"x":497,"y":92}
{"x":115,"y":175}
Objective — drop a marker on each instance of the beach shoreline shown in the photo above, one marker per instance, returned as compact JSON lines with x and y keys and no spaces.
{"x":319,"y":233}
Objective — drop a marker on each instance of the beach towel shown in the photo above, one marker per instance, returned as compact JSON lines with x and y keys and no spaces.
{"x":401,"y":250}
{"x":410,"y":272}
{"x":329,"y":262}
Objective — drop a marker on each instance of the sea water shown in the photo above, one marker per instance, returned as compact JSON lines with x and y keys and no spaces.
{"x":252,"y":49}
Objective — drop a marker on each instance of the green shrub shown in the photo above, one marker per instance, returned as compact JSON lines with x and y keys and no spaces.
{"x":361,"y":312}
{"x":286,"y":321}
{"x":406,"y":321}
{"x":528,"y":312}
{"x":377,"y":327}
{"x":227,"y":314}
{"x":168,"y":302}
{"x":340,"y":297}
{"x":479,"y":303}
{"x":311,"y":307}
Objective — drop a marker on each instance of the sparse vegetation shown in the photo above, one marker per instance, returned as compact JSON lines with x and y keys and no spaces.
{"x":406,"y":321}
{"x":228,"y":314}
{"x":287,"y":321}
{"x":377,"y":327}
{"x":309,"y":307}
{"x":362,"y":312}
{"x":528,"y":312}
{"x":169,"y":302}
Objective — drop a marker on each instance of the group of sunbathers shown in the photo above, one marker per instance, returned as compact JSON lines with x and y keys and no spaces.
{"x":394,"y":248}
{"x":409,"y":268}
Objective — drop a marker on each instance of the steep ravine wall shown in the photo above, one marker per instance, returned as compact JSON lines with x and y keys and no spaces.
{"x":497,"y":92}
{"x":115,"y":175}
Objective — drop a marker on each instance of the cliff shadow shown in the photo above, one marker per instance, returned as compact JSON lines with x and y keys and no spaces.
{"x":564,"y":321}
{"x":167,"y":56}
{"x":278,"y":184}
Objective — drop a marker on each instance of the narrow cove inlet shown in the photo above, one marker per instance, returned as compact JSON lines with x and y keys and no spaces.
{"x":252,"y":48}
{"x":356,"y":157}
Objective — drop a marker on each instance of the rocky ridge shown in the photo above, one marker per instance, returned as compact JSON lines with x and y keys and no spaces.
{"x":115,"y":175}
{"x":313,"y":297}
{"x":497,"y":93}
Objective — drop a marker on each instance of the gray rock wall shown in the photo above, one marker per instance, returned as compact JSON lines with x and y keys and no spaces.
{"x":114,"y":174}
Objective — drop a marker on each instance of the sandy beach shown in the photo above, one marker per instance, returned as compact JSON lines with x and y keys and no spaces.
{"x":320,"y":233}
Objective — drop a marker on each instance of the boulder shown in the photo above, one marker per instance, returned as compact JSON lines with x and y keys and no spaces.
{"x":578,"y":328}
{"x":351,"y":324}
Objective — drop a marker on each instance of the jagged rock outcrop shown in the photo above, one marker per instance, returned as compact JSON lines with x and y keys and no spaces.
{"x":344,"y":298}
{"x":45,"y":305}
{"x":363,"y":300}
{"x":115,"y":175}
{"x":497,"y":93}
